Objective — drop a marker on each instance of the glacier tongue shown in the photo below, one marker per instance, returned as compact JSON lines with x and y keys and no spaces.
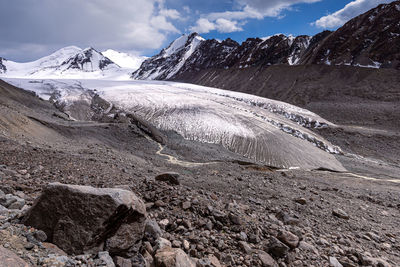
{"x":268,"y":131}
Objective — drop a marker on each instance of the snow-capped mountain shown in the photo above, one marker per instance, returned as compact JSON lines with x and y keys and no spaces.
{"x":369,"y":40}
{"x":124,"y":60}
{"x":45,"y":64}
{"x":191,"y":53}
{"x":87,"y":60}
{"x":68,"y":62}
{"x":170,"y":60}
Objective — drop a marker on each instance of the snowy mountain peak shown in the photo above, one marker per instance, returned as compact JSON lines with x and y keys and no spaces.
{"x":54,"y":59}
{"x":181,"y":43}
{"x":124,"y":60}
{"x":170,"y":60}
{"x":88,"y":60}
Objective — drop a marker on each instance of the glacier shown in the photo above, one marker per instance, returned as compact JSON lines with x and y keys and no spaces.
{"x":271,"y":132}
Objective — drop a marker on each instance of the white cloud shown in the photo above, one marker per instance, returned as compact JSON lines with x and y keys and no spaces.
{"x":203,"y":25}
{"x":170,"y":13}
{"x":161,"y":23}
{"x":222,"y":25}
{"x":228,"y":21}
{"x":350,"y":11}
{"x":259,"y":9}
{"x":119,"y":24}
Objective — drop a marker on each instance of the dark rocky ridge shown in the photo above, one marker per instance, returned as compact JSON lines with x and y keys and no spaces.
{"x":369,"y":40}
{"x":278,"y":49}
{"x":90,"y":57}
{"x":372,"y":38}
{"x":2,"y":67}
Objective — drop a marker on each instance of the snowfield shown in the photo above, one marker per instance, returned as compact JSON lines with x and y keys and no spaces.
{"x":125,"y":60}
{"x":261,"y":129}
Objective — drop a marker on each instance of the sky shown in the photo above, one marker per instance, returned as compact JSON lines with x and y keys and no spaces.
{"x":31,"y":29}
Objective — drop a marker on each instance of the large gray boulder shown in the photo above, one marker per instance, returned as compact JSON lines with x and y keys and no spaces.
{"x":83,"y":219}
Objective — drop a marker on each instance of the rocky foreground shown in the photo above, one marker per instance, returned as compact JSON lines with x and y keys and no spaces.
{"x":171,"y":224}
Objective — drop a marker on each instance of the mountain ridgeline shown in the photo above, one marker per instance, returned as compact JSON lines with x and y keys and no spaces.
{"x":369,"y":40}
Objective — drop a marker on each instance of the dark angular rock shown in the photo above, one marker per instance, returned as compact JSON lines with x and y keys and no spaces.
{"x":235,"y":219}
{"x":277,"y":248}
{"x":301,"y":201}
{"x":83,"y":219}
{"x":169,"y":177}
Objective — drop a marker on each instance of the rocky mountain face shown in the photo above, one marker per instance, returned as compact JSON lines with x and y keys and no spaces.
{"x":170,"y":60}
{"x":277,"y":49}
{"x":2,"y":67}
{"x":87,"y":60}
{"x":369,"y":40}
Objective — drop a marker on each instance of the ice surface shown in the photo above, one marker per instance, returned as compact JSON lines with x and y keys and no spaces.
{"x":268,"y":131}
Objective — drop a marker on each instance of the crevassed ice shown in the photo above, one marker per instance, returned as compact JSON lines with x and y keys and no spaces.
{"x":260,"y":129}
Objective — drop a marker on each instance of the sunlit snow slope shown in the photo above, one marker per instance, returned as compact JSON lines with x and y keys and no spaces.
{"x":124,"y":60}
{"x":265,"y":130}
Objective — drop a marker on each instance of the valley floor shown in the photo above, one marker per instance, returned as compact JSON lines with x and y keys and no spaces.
{"x":227,"y":207}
